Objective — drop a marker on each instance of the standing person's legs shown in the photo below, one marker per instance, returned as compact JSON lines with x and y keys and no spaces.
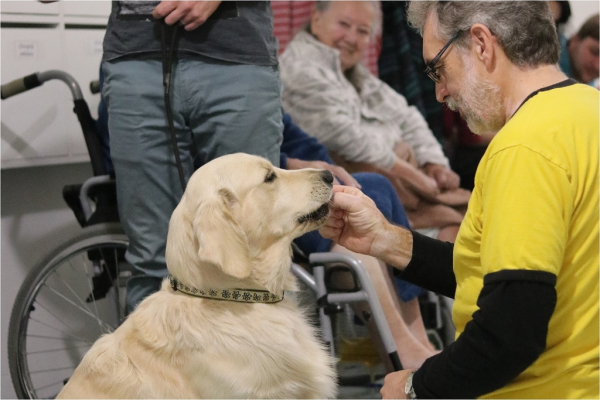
{"x":229,"y":107}
{"x":148,"y":185}
{"x":232,"y":107}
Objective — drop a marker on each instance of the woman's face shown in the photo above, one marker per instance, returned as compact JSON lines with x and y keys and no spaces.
{"x":346,"y":26}
{"x":584,"y":58}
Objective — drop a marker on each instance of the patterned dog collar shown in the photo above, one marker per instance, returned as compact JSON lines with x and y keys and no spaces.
{"x":239,"y":295}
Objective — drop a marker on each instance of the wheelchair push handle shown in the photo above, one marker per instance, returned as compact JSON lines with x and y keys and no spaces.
{"x":81,"y":109}
{"x":95,"y":86}
{"x":34,"y":80}
{"x":20,"y":85}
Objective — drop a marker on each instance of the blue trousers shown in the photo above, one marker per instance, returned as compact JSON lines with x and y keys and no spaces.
{"x":226,"y":107}
{"x":378,"y":188}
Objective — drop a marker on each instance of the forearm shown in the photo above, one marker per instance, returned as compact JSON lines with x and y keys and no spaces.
{"x":506,"y":335}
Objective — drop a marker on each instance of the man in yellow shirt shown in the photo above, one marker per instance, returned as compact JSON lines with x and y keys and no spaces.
{"x":524,"y":267}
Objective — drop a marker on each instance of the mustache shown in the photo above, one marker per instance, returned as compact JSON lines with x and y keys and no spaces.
{"x":452,"y":104}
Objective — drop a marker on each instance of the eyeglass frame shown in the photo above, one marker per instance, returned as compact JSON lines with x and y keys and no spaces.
{"x":431,"y":69}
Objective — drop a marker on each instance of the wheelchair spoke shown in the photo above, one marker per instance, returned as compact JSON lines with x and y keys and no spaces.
{"x":89,"y":280}
{"x":62,"y":331}
{"x":116,"y":286}
{"x":59,"y":349}
{"x":83,"y":304}
{"x":53,"y":369}
{"x":49,"y":385}
{"x":48,"y":337}
{"x":95,"y":317}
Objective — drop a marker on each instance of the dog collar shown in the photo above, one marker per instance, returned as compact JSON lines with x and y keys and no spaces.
{"x":239,"y":295}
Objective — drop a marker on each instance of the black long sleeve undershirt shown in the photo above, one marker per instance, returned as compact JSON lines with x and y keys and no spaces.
{"x":431,"y":265}
{"x":506,"y":335}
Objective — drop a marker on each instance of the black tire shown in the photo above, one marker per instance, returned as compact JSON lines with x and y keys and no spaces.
{"x":83,"y":281}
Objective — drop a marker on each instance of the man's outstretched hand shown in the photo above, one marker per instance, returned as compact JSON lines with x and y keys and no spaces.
{"x":354,"y":220}
{"x":356,"y":223}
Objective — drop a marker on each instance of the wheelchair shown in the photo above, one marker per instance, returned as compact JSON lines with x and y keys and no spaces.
{"x":77,"y":293}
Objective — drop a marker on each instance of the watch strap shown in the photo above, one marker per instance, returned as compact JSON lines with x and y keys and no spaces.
{"x":409,"y":390}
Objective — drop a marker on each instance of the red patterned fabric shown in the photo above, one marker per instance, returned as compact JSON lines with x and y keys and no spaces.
{"x":289,"y":16}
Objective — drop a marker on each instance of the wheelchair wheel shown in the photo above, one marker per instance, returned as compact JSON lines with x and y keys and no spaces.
{"x":66,"y":302}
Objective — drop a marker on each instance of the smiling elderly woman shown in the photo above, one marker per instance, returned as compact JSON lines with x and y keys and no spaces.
{"x":363,"y":121}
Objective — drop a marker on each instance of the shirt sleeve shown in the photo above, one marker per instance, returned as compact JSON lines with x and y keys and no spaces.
{"x":506,"y":335}
{"x":527,"y":205}
{"x":430,"y":266}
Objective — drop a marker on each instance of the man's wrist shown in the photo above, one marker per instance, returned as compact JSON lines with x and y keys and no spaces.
{"x":393,"y":246}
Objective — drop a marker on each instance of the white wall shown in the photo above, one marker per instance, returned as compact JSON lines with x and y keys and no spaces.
{"x":580,"y":11}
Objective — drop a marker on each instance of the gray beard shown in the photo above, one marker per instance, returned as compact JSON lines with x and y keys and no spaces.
{"x":479,"y":103}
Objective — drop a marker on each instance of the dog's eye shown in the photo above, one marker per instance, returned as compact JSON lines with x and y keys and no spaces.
{"x":271,"y":176}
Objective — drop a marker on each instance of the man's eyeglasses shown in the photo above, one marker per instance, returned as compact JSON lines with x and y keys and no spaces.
{"x":431,"y":70}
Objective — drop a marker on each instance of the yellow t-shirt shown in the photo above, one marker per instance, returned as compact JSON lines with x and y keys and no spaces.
{"x":535,"y":207}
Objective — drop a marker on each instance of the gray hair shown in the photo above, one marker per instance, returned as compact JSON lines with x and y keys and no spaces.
{"x":525,"y":29}
{"x":323,"y":5}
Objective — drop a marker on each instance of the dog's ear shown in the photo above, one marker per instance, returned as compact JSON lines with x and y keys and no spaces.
{"x":221,"y":239}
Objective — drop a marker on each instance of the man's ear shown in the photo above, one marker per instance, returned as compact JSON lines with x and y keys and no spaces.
{"x":484,"y":44}
{"x":221,"y":240}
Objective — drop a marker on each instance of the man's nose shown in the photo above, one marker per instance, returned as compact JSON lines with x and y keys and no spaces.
{"x":441,"y":92}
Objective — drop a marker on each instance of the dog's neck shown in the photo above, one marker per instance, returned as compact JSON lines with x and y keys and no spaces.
{"x":265,"y":276}
{"x":237,"y":295}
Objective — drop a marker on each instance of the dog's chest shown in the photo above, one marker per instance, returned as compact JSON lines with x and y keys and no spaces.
{"x":270,"y":353}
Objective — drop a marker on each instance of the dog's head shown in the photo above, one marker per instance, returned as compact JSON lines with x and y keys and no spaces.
{"x":237,"y":219}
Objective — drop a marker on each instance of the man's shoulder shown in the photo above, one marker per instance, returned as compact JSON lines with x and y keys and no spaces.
{"x":556,"y":124}
{"x":559,"y":107}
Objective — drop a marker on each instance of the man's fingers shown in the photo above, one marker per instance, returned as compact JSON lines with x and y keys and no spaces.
{"x":346,"y":189}
{"x":164,"y":8}
{"x":350,"y":203}
{"x":329,"y":233}
{"x":193,"y":25}
{"x":175,"y":16}
{"x":332,"y":228}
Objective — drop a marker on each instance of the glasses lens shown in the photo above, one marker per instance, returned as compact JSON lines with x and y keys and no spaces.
{"x":431,"y":71}
{"x":432,"y":74}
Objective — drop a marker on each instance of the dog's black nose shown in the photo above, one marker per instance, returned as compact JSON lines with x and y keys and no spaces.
{"x":327,"y":177}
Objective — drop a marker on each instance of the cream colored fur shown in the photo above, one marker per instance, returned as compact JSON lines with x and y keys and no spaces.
{"x":232,"y":229}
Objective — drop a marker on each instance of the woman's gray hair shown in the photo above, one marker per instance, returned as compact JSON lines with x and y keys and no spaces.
{"x":323,"y":5}
{"x":525,"y":29}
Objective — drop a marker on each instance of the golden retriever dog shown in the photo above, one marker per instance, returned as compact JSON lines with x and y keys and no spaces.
{"x":219,"y":328}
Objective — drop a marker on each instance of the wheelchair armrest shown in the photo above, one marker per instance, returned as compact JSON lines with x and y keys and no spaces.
{"x":367,"y":293}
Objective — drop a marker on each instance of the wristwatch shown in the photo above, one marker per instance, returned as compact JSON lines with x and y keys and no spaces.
{"x":409,"y":390}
